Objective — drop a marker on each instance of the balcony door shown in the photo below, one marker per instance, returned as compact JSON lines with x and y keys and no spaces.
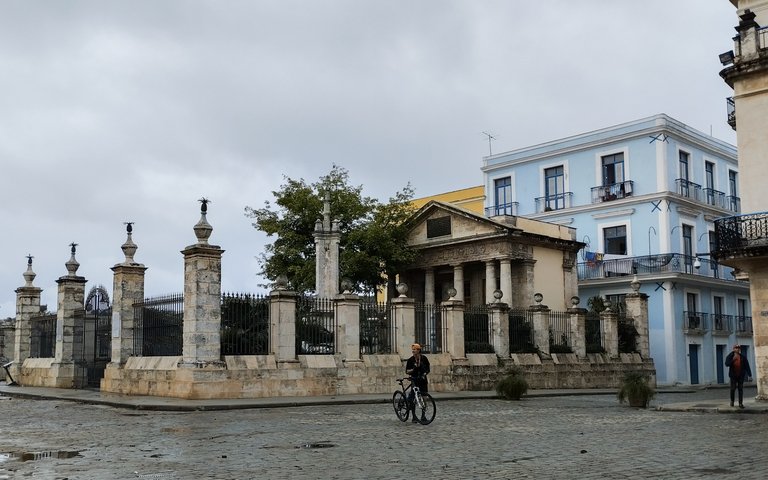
{"x":554,"y":188}
{"x":688,"y":248}
{"x":709,"y":173}
{"x":684,"y":174}
{"x":503,"y":196}
{"x":613,"y":169}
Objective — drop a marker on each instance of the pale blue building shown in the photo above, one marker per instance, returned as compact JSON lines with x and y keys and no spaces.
{"x":643,"y":196}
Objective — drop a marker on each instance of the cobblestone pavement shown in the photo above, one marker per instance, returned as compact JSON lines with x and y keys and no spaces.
{"x":579,"y":437}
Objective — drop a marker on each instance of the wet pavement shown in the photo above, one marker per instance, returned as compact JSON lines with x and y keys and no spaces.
{"x":586,"y":436}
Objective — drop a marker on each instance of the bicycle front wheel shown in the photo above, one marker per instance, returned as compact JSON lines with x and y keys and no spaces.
{"x":400,"y":405}
{"x":427,"y":414}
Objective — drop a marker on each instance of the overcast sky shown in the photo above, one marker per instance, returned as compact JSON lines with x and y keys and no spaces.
{"x":133,"y":110}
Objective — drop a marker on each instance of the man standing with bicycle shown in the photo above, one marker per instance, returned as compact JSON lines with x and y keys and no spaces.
{"x":417,"y":367}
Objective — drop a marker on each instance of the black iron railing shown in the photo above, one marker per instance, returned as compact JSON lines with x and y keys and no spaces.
{"x":654,"y":264}
{"x":695,"y":323}
{"x":743,"y":325}
{"x":159,"y":326}
{"x":503,"y":209}
{"x":430,"y":328}
{"x":553,"y":202}
{"x":733,"y":203}
{"x":614,"y":191}
{"x":731,"y":111}
{"x":43,"y":336}
{"x":593,"y":333}
{"x":627,"y":334}
{"x":722,"y":324}
{"x":244,"y":324}
{"x":741,"y":235}
{"x":477,"y":330}
{"x":315,"y":326}
{"x":688,"y":189}
{"x":559,"y":332}
{"x":521,"y":332}
{"x":377,"y":328}
{"x":713,"y":197}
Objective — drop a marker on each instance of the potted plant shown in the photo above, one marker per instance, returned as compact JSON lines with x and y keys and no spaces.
{"x":636,"y":390}
{"x":512,"y":386}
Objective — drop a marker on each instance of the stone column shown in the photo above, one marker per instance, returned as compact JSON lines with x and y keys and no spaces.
{"x":454,"y":325}
{"x":570,"y":275}
{"x":327,"y":238}
{"x":505,"y":282}
{"x":69,"y":326}
{"x":127,"y":289}
{"x":610,"y":331}
{"x":429,"y":286}
{"x":404,"y":313}
{"x":540,"y":319}
{"x":458,"y":281}
{"x":578,"y":324}
{"x":202,"y":298}
{"x":27,"y":306}
{"x":637,"y":309}
{"x":490,"y":280}
{"x":523,"y":283}
{"x":499,"y":318}
{"x":348,"y":326}
{"x":282,"y":319}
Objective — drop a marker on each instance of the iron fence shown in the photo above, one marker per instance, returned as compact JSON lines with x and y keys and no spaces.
{"x":743,"y":324}
{"x":430,"y":329}
{"x":477,"y":329}
{"x":244,"y":324}
{"x":315,"y":326}
{"x":159,"y":326}
{"x":694,"y":322}
{"x":559,"y":332}
{"x":652,"y":264}
{"x":627,"y":334}
{"x":43,"y":336}
{"x":741,"y":235}
{"x":521,"y":332}
{"x":722,"y":324}
{"x":593,"y":328}
{"x":377,"y":328}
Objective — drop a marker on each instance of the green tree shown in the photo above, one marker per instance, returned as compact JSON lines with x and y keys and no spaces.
{"x":372,"y":245}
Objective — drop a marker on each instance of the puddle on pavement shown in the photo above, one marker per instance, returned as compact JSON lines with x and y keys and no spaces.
{"x":33,"y":456}
{"x":306,"y":446}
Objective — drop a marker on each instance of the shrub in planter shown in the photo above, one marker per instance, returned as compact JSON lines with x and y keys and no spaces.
{"x":636,"y":390}
{"x":512,"y":386}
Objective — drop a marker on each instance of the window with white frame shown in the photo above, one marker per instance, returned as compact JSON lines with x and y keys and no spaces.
{"x":615,"y":240}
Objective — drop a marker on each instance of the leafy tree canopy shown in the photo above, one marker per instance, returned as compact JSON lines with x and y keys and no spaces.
{"x":372,"y":246}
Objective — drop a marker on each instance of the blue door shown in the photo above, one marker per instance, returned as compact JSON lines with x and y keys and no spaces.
{"x":693,"y":357}
{"x":719,"y":361}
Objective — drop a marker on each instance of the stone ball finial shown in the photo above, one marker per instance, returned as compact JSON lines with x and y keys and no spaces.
{"x":607,"y":304}
{"x":575,"y":301}
{"x":29,"y":275}
{"x":537,"y":297}
{"x":346,"y":285}
{"x":497,"y":294}
{"x":72,"y":265}
{"x":402,"y":288}
{"x":281,"y":282}
{"x":452,"y":293}
{"x":635,"y":284}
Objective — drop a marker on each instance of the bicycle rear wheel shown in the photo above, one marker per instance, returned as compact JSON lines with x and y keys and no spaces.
{"x":400,"y":405}
{"x":427,"y":414}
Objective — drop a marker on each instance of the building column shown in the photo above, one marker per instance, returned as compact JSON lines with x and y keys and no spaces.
{"x":523,"y":283}
{"x":404,"y":313}
{"x":69,"y":326}
{"x":505,"y":282}
{"x":499,"y":318}
{"x":27,"y":306}
{"x":127,"y":289}
{"x":327,"y":239}
{"x":429,"y":286}
{"x":458,"y":282}
{"x":758,"y":296}
{"x":202,"y":298}
{"x":454,"y":327}
{"x":637,"y":308}
{"x":348,"y":326}
{"x":490,"y":280}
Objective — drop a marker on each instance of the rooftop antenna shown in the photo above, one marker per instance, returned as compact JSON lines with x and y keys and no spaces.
{"x":490,"y":138}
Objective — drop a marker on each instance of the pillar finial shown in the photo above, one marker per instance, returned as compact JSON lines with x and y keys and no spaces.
{"x":29,"y":275}
{"x":203,"y":229}
{"x":129,"y":248}
{"x":72,"y":265}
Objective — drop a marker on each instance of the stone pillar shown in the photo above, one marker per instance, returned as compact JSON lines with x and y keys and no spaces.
{"x":69,"y":326}
{"x":27,"y":306}
{"x":348,"y":326}
{"x":610,"y":331}
{"x":202,"y":298}
{"x":490,"y":280}
{"x":327,"y":238}
{"x":404,"y":313}
{"x":578,"y":324}
{"x":540,"y":319}
{"x":637,"y":309}
{"x":570,"y":275}
{"x":499,"y":318}
{"x":458,"y":281}
{"x":505,"y":282}
{"x":454,"y":325}
{"x":522,"y":283}
{"x":429,"y":286}
{"x":127,"y":289}
{"x":758,"y":291}
{"x":282,"y":319}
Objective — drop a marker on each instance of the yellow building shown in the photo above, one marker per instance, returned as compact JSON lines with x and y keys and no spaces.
{"x":471,"y":199}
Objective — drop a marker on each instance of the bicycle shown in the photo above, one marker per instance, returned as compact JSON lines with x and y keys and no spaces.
{"x":425,"y":404}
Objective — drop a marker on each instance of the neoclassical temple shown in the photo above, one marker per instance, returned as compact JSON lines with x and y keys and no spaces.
{"x":476,"y":256}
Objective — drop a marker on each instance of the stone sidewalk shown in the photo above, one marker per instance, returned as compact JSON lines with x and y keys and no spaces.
{"x":717,"y":404}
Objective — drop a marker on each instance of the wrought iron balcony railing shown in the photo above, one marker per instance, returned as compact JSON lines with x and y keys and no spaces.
{"x":733,"y":203}
{"x":653,"y":264}
{"x":614,"y":191}
{"x":741,"y":235}
{"x":553,"y":202}
{"x":688,"y":189}
{"x":731,"y":109}
{"x":714,"y":197}
{"x":743,"y":325}
{"x":504,"y":209}
{"x":722,"y":324}
{"x":695,"y":323}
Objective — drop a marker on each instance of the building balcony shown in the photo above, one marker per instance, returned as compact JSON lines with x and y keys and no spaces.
{"x":504,"y":209}
{"x":722,"y":325}
{"x":653,"y":265}
{"x":615,"y":191}
{"x":743,"y":325}
{"x":733,"y":203}
{"x":554,"y":202}
{"x":714,"y":197}
{"x":741,"y":236}
{"x":688,"y":189}
{"x":731,"y":109}
{"x":695,"y":323}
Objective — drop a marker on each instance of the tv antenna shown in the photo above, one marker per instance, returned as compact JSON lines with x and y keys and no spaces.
{"x":490,"y":138}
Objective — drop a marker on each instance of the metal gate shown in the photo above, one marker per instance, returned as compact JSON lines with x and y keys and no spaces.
{"x":97,"y":345}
